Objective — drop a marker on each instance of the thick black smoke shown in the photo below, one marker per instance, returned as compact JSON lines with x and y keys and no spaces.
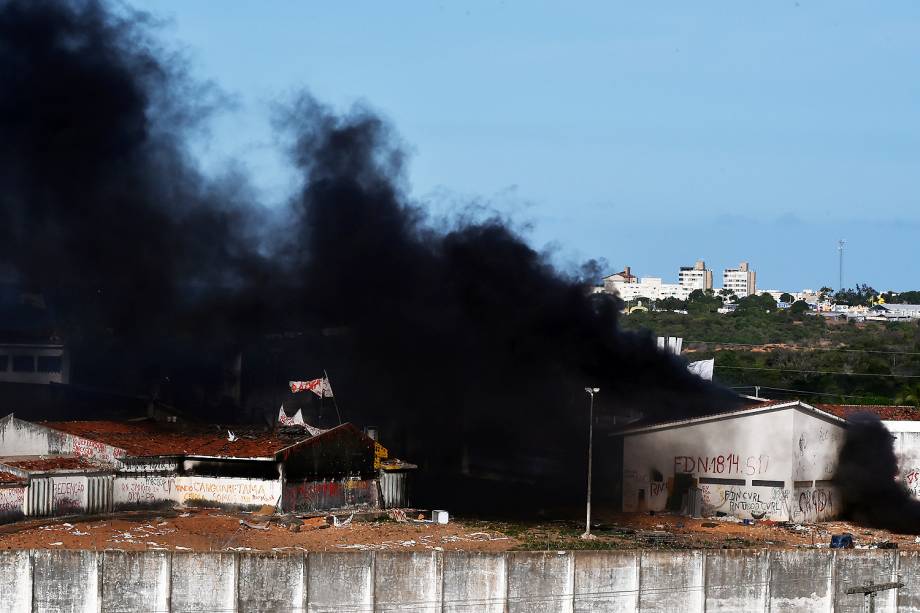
{"x":866,"y":477}
{"x":462,"y":343}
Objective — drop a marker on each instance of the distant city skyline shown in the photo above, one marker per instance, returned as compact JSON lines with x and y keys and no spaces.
{"x":636,"y":133}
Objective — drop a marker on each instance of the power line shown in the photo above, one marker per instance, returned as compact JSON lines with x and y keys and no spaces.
{"x":771,"y":346}
{"x":820,"y":372}
{"x":783,"y":389}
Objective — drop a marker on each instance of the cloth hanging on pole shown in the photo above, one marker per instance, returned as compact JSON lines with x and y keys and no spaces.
{"x":702,"y":368}
{"x":297,"y":420}
{"x":321,"y":387}
{"x":284,"y":420}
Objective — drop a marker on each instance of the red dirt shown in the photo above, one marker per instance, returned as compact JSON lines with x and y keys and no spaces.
{"x":214,"y":530}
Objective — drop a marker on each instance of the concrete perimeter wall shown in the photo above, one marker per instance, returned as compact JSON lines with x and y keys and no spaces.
{"x":686,"y":581}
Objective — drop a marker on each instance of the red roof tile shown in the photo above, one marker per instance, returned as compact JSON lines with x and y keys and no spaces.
{"x":885,"y":412}
{"x":35,"y":463}
{"x":149,"y":438}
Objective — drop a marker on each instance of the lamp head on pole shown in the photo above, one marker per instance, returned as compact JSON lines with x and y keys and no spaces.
{"x":592,"y":390}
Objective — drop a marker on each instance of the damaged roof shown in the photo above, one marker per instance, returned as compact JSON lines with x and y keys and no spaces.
{"x":149,"y":438}
{"x":884,"y":412}
{"x":10,"y":479}
{"x":45,"y":463}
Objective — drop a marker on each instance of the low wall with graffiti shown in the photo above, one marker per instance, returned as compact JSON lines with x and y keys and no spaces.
{"x":143,"y":492}
{"x":310,"y":496}
{"x":755,"y":502}
{"x":76,"y":494}
{"x":11,"y":503}
{"x":810,"y":504}
{"x":135,"y":491}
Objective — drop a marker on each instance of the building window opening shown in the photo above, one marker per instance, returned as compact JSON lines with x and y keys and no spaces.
{"x":50,"y":363}
{"x":23,"y":363}
{"x":718,"y":481}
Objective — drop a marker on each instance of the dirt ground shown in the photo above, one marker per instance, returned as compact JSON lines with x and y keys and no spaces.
{"x":217,"y":530}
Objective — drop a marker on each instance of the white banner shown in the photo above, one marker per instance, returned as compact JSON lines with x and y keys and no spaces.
{"x":702,"y":369}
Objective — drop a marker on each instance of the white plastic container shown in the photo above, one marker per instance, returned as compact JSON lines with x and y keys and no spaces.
{"x":439,"y":517}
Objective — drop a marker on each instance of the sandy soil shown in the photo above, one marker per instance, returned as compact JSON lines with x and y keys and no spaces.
{"x":216,"y":530}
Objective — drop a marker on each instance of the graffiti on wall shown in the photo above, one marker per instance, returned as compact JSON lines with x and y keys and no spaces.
{"x":249,"y":492}
{"x":727,"y":464}
{"x":159,"y":466}
{"x":756,"y":502}
{"x":69,"y":494}
{"x":323,"y":495}
{"x":813,"y":504}
{"x":94,"y":449}
{"x":912,"y":481}
{"x":143,"y":490}
{"x":11,"y":500}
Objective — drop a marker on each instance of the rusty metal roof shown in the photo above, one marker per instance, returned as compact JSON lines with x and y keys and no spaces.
{"x":10,"y":479}
{"x":49,"y":463}
{"x":150,"y":438}
{"x":884,"y":412}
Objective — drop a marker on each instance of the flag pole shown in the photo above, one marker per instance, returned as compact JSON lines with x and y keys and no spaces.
{"x":332,"y":393}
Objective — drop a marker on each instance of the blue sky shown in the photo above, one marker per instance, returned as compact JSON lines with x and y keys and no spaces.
{"x":649,"y":134}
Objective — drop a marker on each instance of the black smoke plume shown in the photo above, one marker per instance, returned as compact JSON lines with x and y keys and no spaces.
{"x":464,"y":344}
{"x":867,"y":479}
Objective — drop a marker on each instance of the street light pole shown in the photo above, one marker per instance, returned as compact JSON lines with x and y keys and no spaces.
{"x":591,"y":391}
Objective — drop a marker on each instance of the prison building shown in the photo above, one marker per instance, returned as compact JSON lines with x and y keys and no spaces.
{"x":152,"y":464}
{"x":768,"y":460}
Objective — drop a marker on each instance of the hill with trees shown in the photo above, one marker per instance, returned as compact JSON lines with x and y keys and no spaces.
{"x":794,"y":352}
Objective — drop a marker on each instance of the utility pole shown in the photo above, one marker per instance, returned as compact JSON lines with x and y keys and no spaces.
{"x":840,"y":245}
{"x":591,"y":391}
{"x":869,"y":591}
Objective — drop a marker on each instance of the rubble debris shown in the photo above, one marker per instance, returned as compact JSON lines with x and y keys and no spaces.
{"x":315,"y":523}
{"x":398,"y":515}
{"x":709,"y":524}
{"x":342,"y":524}
{"x":254,"y":525}
{"x":656,"y":537}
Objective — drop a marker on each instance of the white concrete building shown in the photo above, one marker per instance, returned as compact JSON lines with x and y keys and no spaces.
{"x":741,"y":281}
{"x":625,"y":276}
{"x":904,"y":424}
{"x":898,"y":312}
{"x":695,"y":277}
{"x":41,"y":363}
{"x":649,"y":288}
{"x":772,"y":460}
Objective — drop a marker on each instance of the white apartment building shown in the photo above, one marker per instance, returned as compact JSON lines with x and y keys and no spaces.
{"x":649,"y":288}
{"x":695,"y":277}
{"x":741,"y":281}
